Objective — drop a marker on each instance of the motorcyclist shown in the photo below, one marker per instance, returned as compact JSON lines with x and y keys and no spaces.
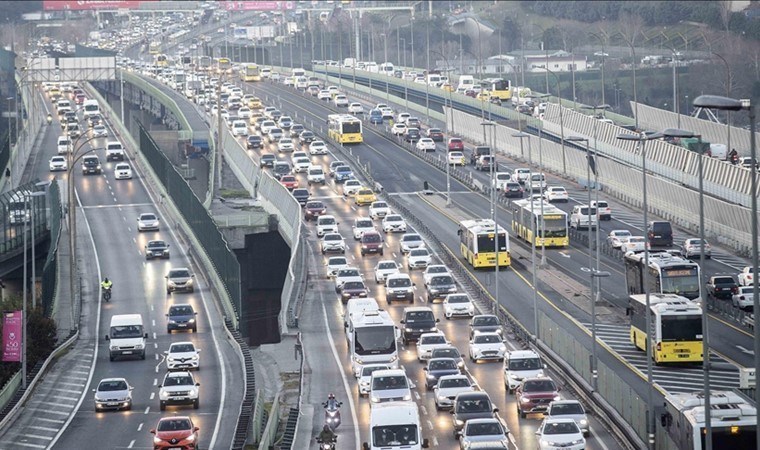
{"x":326,"y":436}
{"x":331,"y":403}
{"x":106,"y":283}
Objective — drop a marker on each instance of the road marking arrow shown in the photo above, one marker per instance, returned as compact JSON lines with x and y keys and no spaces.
{"x":744,"y":350}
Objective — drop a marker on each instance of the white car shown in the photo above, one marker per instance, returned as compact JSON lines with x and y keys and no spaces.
{"x":324,"y":94}
{"x":432,"y":270}
{"x":429,"y":341}
{"x":355,"y":108}
{"x":351,"y":187}
{"x":365,"y":377}
{"x":334,"y":264}
{"x":362,"y":224}
{"x":487,"y":345}
{"x":456,"y":158}
{"x":333,"y":242}
{"x":182,"y":355}
{"x":99,"y":130}
{"x":379,"y":209}
{"x":743,"y":297}
{"x":410,"y":241}
{"x":402,"y":116}
{"x":425,"y":144}
{"x":617,"y":238}
{"x":418,"y":258}
{"x":385,"y":268}
{"x":340,"y":100}
{"x":244,"y":112}
{"x":387,"y":112}
{"x":570,"y":409}
{"x":58,"y":163}
{"x":399,"y":129}
{"x":240,"y":128}
{"x":266,"y":126}
{"x":564,"y":433}
{"x":301,"y":164}
{"x":634,"y":244}
{"x":315,"y":174}
{"x":122,"y":171}
{"x":500,"y":180}
{"x":488,"y":430}
{"x":745,"y":276}
{"x":333,"y":90}
{"x":317,"y":148}
{"x":556,"y":194}
{"x":458,"y":305}
{"x":147,"y":222}
{"x":326,"y":224}
{"x":447,"y":389}
{"x":113,"y":393}
{"x":347,"y":274}
{"x":178,"y":388}
{"x":394,"y":223}
{"x":63,"y":145}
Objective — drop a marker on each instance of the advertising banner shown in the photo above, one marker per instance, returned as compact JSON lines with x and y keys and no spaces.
{"x":81,"y":5}
{"x":257,"y":5}
{"x":12,"y":326}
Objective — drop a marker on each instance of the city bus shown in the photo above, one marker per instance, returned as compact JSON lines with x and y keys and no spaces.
{"x":372,"y":339}
{"x":676,"y":327}
{"x":669,"y":273}
{"x":223,"y":65}
{"x":154,"y":48}
{"x":550,"y":232}
{"x":477,"y":243}
{"x":344,"y":128}
{"x":162,"y":60}
{"x":497,"y":87}
{"x":250,"y":72}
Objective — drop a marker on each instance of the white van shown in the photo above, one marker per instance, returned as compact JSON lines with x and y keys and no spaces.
{"x":718,"y":151}
{"x":387,"y":68}
{"x":302,"y":82}
{"x":355,"y":307}
{"x":465,"y":82}
{"x":395,"y":425}
{"x":580,"y":217}
{"x":91,"y":108}
{"x":126,"y":336}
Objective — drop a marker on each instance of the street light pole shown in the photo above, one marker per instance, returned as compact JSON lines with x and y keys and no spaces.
{"x":448,"y":132}
{"x":493,"y":214}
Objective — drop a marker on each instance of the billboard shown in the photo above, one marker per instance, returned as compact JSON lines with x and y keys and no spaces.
{"x":257,"y":5}
{"x":12,"y":327}
{"x":81,"y":5}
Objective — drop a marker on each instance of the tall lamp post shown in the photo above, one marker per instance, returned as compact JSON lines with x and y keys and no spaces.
{"x":730,"y":104}
{"x":561,"y":123}
{"x":24,"y":312}
{"x":492,"y":125}
{"x":642,"y":140}
{"x":451,"y":130}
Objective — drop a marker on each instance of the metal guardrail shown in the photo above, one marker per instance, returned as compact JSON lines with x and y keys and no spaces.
{"x":9,"y":390}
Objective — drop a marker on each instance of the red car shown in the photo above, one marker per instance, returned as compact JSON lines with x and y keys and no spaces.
{"x":456,"y":144}
{"x":289,"y":181}
{"x":314,"y":209}
{"x":176,"y":432}
{"x":435,"y":134}
{"x":535,"y":394}
{"x":79,"y":99}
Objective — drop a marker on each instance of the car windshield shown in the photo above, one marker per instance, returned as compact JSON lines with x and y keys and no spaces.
{"x":371,"y":238}
{"x":443,"y":279}
{"x":454,"y":383}
{"x":112,"y":385}
{"x":333,"y":237}
{"x":179,"y":273}
{"x":174,"y":425}
{"x":568,"y":427}
{"x":337,"y":261}
{"x":380,"y":205}
{"x":348,"y":273}
{"x":394,"y":435}
{"x":387,"y":265}
{"x":446,"y":353}
{"x":353,"y":285}
{"x":410,"y":238}
{"x":457,"y":299}
{"x":474,"y":405}
{"x":566,"y":408}
{"x":483,"y":429}
{"x":126,"y":331}
{"x":389,"y":382}
{"x":393,"y":219}
{"x":539,"y":386}
{"x":420,"y":316}
{"x":147,"y":217}
{"x":343,"y":169}
{"x":315,"y":205}
{"x":367,"y":370}
{"x":364,"y":223}
{"x":379,"y":340}
{"x":156,"y":244}
{"x":326,"y":221}
{"x":419,"y":252}
{"x":485,"y":321}
{"x":443,"y":364}
{"x":181,"y":380}
{"x":431,"y":340}
{"x":399,"y":282}
{"x":182,"y":348}
{"x":525,"y":364}
{"x":486,"y":339}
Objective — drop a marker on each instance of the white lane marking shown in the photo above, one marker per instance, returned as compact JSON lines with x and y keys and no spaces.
{"x":37,"y":427}
{"x":147,"y":410}
{"x":152,"y":396}
{"x":349,"y":392}
{"x":139,"y":427}
{"x":132,"y":442}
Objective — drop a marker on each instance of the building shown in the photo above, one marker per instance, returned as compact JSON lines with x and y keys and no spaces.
{"x":558,"y":61}
{"x":533,"y":61}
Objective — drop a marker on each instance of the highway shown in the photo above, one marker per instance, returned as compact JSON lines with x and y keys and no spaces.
{"x":110,"y":208}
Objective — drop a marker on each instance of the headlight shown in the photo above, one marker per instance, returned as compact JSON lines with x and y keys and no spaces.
{"x":442,"y":398}
{"x":584,"y":422}
{"x":163,"y":394}
{"x":524,"y":400}
{"x":394,"y":358}
{"x":430,"y":376}
{"x":194,"y":358}
{"x":375,"y":399}
{"x":576,"y":442}
{"x":172,"y":320}
{"x":113,"y":347}
{"x":358,"y":360}
{"x":557,"y":398}
{"x":191,"y":321}
{"x":408,"y":329}
{"x":545,"y":443}
{"x":459,"y":423}
{"x":433,"y":329}
{"x":171,"y":359}
{"x":407,"y":397}
{"x":139,"y":346}
{"x":157,"y":440}
{"x":503,"y":348}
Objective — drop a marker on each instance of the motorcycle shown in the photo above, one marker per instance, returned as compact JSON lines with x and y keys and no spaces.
{"x":332,"y":414}
{"x":327,"y":445}
{"x":107,"y":294}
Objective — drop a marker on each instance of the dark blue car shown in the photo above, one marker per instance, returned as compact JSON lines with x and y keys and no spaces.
{"x":343,"y":173}
{"x":375,"y":116}
{"x":438,"y":367}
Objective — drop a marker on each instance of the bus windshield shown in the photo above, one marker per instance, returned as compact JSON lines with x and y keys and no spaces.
{"x":375,"y":340}
{"x":352,"y":127}
{"x":501,"y":85}
{"x":743,"y":436}
{"x":555,"y":227}
{"x":680,"y":285}
{"x":486,"y":243}
{"x":681,"y":328}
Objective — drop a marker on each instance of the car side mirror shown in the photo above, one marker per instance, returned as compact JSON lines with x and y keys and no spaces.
{"x":145,"y":336}
{"x":424,"y":369}
{"x":166,"y":352}
{"x":94,"y":390}
{"x":365,"y":446}
{"x":198,"y":350}
{"x":425,"y":443}
{"x":544,"y":366}
{"x":538,"y":432}
{"x":401,"y":321}
{"x":496,"y":410}
{"x":451,"y":412}
{"x":197,"y":384}
{"x":196,"y":428}
{"x":166,"y":276}
{"x":437,"y":320}
{"x":559,"y":388}
{"x":107,"y":338}
{"x":160,"y":386}
{"x":153,"y":431}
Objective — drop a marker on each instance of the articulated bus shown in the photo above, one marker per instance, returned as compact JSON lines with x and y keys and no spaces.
{"x":676,"y":335}
{"x":497,"y":87}
{"x":154,"y":48}
{"x":344,"y":128}
{"x":223,"y":65}
{"x":668,"y":274}
{"x":477,"y":239}
{"x":551,"y":229}
{"x":162,"y":60}
{"x":250,"y":72}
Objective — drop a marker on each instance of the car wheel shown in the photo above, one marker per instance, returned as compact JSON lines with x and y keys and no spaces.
{"x":381,"y":253}
{"x":110,"y":357}
{"x":196,"y":403}
{"x":142,"y":356}
{"x":522,"y":414}
{"x":195,"y":329}
{"x":168,"y":331}
{"x":162,"y":406}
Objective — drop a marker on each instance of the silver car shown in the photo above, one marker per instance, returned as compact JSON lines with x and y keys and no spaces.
{"x":482,"y":430}
{"x":147,"y":222}
{"x":113,"y":393}
{"x":179,"y":279}
{"x":692,"y":247}
{"x":571,"y":409}
{"x":410,"y":241}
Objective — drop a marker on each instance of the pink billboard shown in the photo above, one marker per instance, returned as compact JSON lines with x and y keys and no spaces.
{"x":257,"y":5}
{"x":78,"y":5}
{"x":12,"y":326}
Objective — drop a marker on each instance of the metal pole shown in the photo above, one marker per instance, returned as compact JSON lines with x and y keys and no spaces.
{"x":493,"y":218}
{"x":448,"y":169}
{"x":24,"y":310}
{"x":705,"y":335}
{"x":755,"y":287}
{"x":72,"y":253}
{"x":121,"y":99}
{"x":533,"y":245}
{"x":34,"y":272}
{"x":540,"y":156}
{"x":650,"y":375}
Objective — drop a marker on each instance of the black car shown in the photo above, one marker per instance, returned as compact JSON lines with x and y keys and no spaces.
{"x":94,"y":120}
{"x":722,"y":286}
{"x":440,"y":286}
{"x":157,"y":249}
{"x":254,"y":141}
{"x":485,"y":323}
{"x":437,"y":368}
{"x":301,"y":195}
{"x":417,"y":320}
{"x":295,"y":130}
{"x":280,"y":169}
{"x":412,"y":134}
{"x":513,"y":189}
{"x":267,"y":160}
{"x":307,"y":137}
{"x":181,"y":317}
{"x":91,"y":165}
{"x":471,"y":405}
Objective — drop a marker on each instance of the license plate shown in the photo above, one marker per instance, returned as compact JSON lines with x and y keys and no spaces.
{"x":126,"y":352}
{"x":112,"y":403}
{"x":181,"y":324}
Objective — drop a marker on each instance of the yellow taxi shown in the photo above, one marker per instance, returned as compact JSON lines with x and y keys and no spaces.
{"x":364,"y":197}
{"x":483,"y":96}
{"x":255,"y":103}
{"x":54,"y":93}
{"x":447,"y":87}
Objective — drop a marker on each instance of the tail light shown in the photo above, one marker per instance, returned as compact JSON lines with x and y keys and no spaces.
{"x":659,"y":346}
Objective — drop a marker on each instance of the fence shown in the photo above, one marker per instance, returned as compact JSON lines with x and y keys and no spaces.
{"x":269,"y":434}
{"x":197,"y":217}
{"x":50,"y":269}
